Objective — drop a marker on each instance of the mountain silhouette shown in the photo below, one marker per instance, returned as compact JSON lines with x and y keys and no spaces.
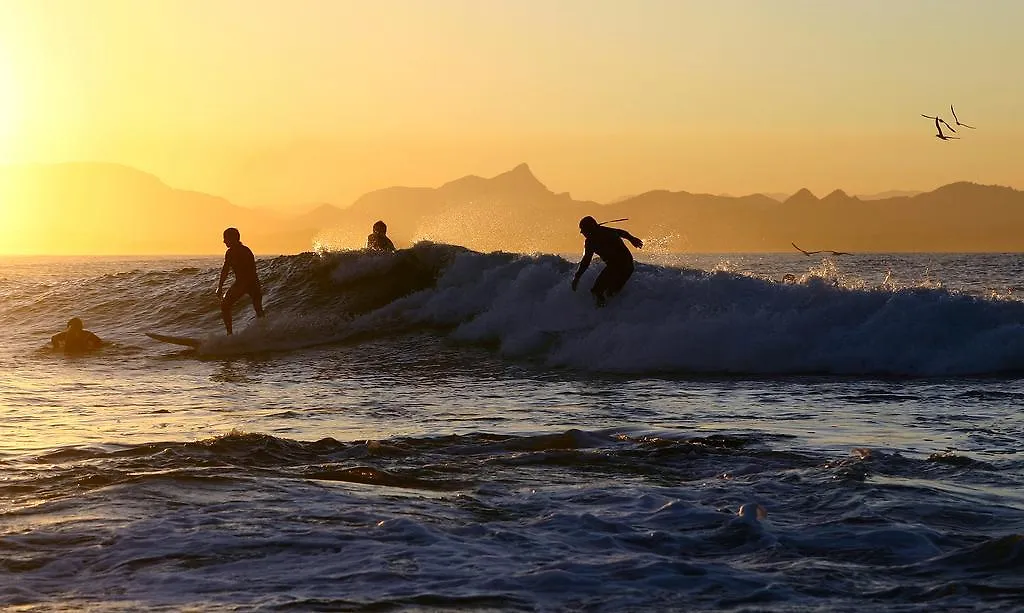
{"x":515,"y":212}
{"x":893,"y":193}
{"x":802,"y":197}
{"x":837,"y":197}
{"x":512,"y":211}
{"x":519,"y":183}
{"x":87,"y":208}
{"x":92,"y":208}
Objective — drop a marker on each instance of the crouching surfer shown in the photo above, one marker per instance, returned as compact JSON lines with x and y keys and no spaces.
{"x":76,"y":339}
{"x":607,"y":243}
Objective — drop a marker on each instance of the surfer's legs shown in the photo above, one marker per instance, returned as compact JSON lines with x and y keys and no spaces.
{"x":610,"y":282}
{"x":257,"y":300}
{"x":618,"y":278}
{"x":235,"y":292}
{"x":600,"y":286}
{"x":230,"y":297}
{"x":225,"y":313}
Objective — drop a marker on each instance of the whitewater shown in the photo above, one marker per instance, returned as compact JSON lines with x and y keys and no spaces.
{"x":445,"y":429}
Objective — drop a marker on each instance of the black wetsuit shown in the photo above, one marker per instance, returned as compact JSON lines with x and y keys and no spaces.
{"x":379,"y":242}
{"x":607,"y":243}
{"x":77,"y":341}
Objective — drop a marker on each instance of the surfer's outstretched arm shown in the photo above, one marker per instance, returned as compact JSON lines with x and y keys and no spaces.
{"x":636,"y":242}
{"x":584,"y":264}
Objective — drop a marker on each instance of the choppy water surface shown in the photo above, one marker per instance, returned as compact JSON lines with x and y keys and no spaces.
{"x":453,"y":430}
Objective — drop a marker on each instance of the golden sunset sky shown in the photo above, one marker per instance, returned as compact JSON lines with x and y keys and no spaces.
{"x":281,"y":103}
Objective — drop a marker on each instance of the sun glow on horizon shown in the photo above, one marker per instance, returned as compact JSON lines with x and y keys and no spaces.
{"x":270,"y":104}
{"x":9,"y":108}
{"x":13,"y":213}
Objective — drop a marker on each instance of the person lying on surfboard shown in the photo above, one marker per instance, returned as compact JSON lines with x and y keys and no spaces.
{"x":76,"y":339}
{"x":239,"y":260}
{"x":607,"y":243}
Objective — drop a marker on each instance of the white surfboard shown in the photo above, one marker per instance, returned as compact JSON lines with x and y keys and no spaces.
{"x":175,"y":340}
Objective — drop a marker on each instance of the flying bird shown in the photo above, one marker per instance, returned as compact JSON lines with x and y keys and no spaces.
{"x":810,"y":253}
{"x":939,"y":128}
{"x":957,"y":120}
{"x":937,"y":120}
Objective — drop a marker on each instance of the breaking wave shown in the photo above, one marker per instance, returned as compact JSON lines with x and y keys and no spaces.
{"x":668,"y":320}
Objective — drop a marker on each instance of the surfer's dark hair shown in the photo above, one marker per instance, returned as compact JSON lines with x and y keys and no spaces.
{"x":232,"y":233}
{"x":380,"y":227}
{"x":75,"y":322}
{"x":588,"y":222}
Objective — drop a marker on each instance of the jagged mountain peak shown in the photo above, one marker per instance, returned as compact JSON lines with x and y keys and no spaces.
{"x":837,"y":195}
{"x":802,"y":196}
{"x":520,"y":180}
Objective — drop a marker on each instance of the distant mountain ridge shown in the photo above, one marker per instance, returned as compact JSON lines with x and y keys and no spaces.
{"x":522,"y":215}
{"x":893,"y":193}
{"x":91,"y":208}
{"x":100,"y":208}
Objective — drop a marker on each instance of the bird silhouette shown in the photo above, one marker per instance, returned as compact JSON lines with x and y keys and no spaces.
{"x":810,"y":253}
{"x":957,"y":120}
{"x":937,"y":120}
{"x":940,"y":134}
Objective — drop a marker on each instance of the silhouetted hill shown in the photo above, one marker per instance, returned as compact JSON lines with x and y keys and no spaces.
{"x":894,"y":193}
{"x":802,"y":197}
{"x":106,"y":208}
{"x":83,"y":208}
{"x":519,"y":182}
{"x":323,"y":216}
{"x":512,"y":211}
{"x":837,"y":197}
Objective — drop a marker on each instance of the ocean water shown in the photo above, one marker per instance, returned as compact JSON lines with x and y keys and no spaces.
{"x":450,"y":430}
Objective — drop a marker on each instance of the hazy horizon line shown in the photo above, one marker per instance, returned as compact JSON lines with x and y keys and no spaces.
{"x":571,"y":255}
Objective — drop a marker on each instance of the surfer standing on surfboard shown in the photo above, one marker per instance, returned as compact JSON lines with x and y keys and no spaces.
{"x":240,"y":260}
{"x":607,"y":243}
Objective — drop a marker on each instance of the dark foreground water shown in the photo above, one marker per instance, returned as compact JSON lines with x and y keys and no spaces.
{"x":448,"y":430}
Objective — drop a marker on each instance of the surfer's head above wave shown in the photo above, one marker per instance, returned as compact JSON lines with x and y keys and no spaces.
{"x":587,"y":224}
{"x":76,"y":339}
{"x":232,"y":236}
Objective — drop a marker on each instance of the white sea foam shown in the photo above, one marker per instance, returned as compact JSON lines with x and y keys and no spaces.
{"x":674,"y":320}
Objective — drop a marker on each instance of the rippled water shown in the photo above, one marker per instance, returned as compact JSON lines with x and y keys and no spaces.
{"x":460,"y":431}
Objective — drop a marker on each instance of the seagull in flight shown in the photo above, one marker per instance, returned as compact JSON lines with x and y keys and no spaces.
{"x":940,"y":134}
{"x":957,"y":120}
{"x":937,"y":120}
{"x":810,"y":253}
